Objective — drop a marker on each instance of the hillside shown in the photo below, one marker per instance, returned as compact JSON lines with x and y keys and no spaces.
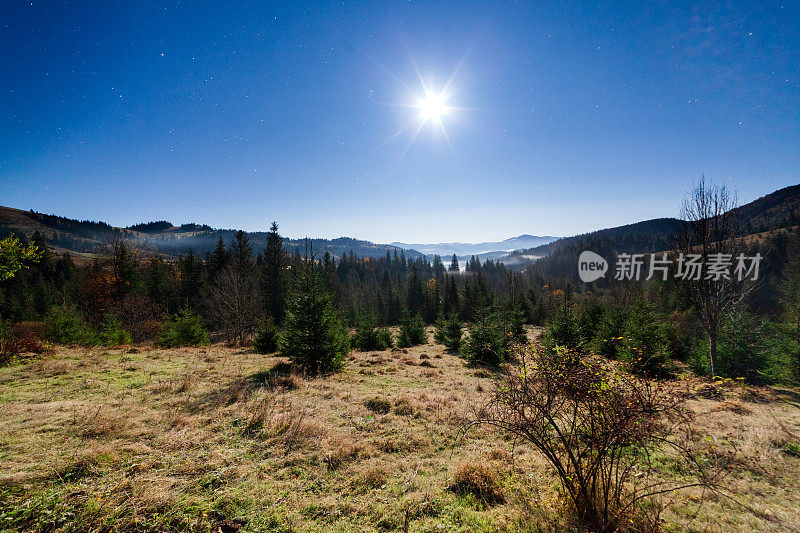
{"x":775,"y":211}
{"x":780,"y":209}
{"x":84,"y":236}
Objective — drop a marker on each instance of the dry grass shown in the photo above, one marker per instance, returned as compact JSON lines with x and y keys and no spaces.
{"x":204,"y":438}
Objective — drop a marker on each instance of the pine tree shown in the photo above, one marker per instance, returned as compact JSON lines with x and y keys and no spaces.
{"x":242,"y":251}
{"x":314,"y":337}
{"x":219,"y":258}
{"x":448,"y":331}
{"x":273,"y":283}
{"x":438,"y":267}
{"x":450,"y":303}
{"x":191,"y":272}
{"x":432,"y":300}
{"x":412,"y":331}
{"x":454,"y":264}
{"x":416,"y":294}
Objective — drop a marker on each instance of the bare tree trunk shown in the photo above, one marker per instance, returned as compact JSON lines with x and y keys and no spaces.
{"x":712,"y":352}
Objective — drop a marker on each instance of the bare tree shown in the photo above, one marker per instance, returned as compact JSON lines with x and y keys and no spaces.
{"x":710,"y":228}
{"x":231,"y":302}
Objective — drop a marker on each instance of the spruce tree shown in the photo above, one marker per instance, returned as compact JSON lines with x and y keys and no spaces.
{"x":219,"y":258}
{"x":448,"y":331}
{"x":438,"y":267}
{"x":450,"y":301}
{"x":454,"y":264}
{"x":314,"y":337}
{"x":242,"y":252}
{"x":273,"y":283}
{"x":416,"y":293}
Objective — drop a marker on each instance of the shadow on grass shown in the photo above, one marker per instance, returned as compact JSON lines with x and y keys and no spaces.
{"x":282,"y":376}
{"x":788,"y":395}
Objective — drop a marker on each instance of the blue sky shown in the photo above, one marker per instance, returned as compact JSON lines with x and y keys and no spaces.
{"x":562,"y":117}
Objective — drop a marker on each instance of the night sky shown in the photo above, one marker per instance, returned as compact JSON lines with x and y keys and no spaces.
{"x":558,"y":117}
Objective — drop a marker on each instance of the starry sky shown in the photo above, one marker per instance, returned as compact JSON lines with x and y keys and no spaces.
{"x":562,"y":117}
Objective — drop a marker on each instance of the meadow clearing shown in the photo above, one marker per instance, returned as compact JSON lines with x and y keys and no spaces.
{"x":216,"y":438}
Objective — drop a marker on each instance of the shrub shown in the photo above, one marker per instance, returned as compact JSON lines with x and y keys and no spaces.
{"x":412,"y":331}
{"x":479,"y":480}
{"x":403,"y":407}
{"x":488,"y":342}
{"x":64,"y":324}
{"x":140,"y":315}
{"x":378,"y":405}
{"x":448,"y":331}
{"x":113,"y":334}
{"x":369,"y":337}
{"x":267,"y":337}
{"x":313,"y":337}
{"x":599,"y":429}
{"x":183,"y":329}
{"x":19,"y":338}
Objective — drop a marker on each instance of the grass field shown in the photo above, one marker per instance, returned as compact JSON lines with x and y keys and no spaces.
{"x":216,"y":438}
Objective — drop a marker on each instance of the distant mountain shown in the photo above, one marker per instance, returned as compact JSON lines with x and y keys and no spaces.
{"x":488,"y":250}
{"x":83,"y":237}
{"x":551,"y":255}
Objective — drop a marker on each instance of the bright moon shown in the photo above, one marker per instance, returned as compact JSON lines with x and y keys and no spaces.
{"x":432,"y":107}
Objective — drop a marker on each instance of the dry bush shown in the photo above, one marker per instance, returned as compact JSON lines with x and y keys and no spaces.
{"x":238,"y":390}
{"x":140,"y":316}
{"x":480,"y":480}
{"x":404,"y":406}
{"x":97,"y":424}
{"x":25,"y":337}
{"x":601,"y":430}
{"x":76,"y":470}
{"x":400,"y":443}
{"x":340,"y":451}
{"x":49,"y":367}
{"x":290,"y":381}
{"x":751,"y":395}
{"x":709,"y":391}
{"x":370,"y":478}
{"x":378,"y":405}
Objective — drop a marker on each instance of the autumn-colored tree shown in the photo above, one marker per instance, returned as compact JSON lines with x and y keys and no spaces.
{"x":14,"y":256}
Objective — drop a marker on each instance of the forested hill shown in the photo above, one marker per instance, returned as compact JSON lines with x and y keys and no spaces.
{"x":161,"y":237}
{"x":779,"y":210}
{"x":561,"y":256}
